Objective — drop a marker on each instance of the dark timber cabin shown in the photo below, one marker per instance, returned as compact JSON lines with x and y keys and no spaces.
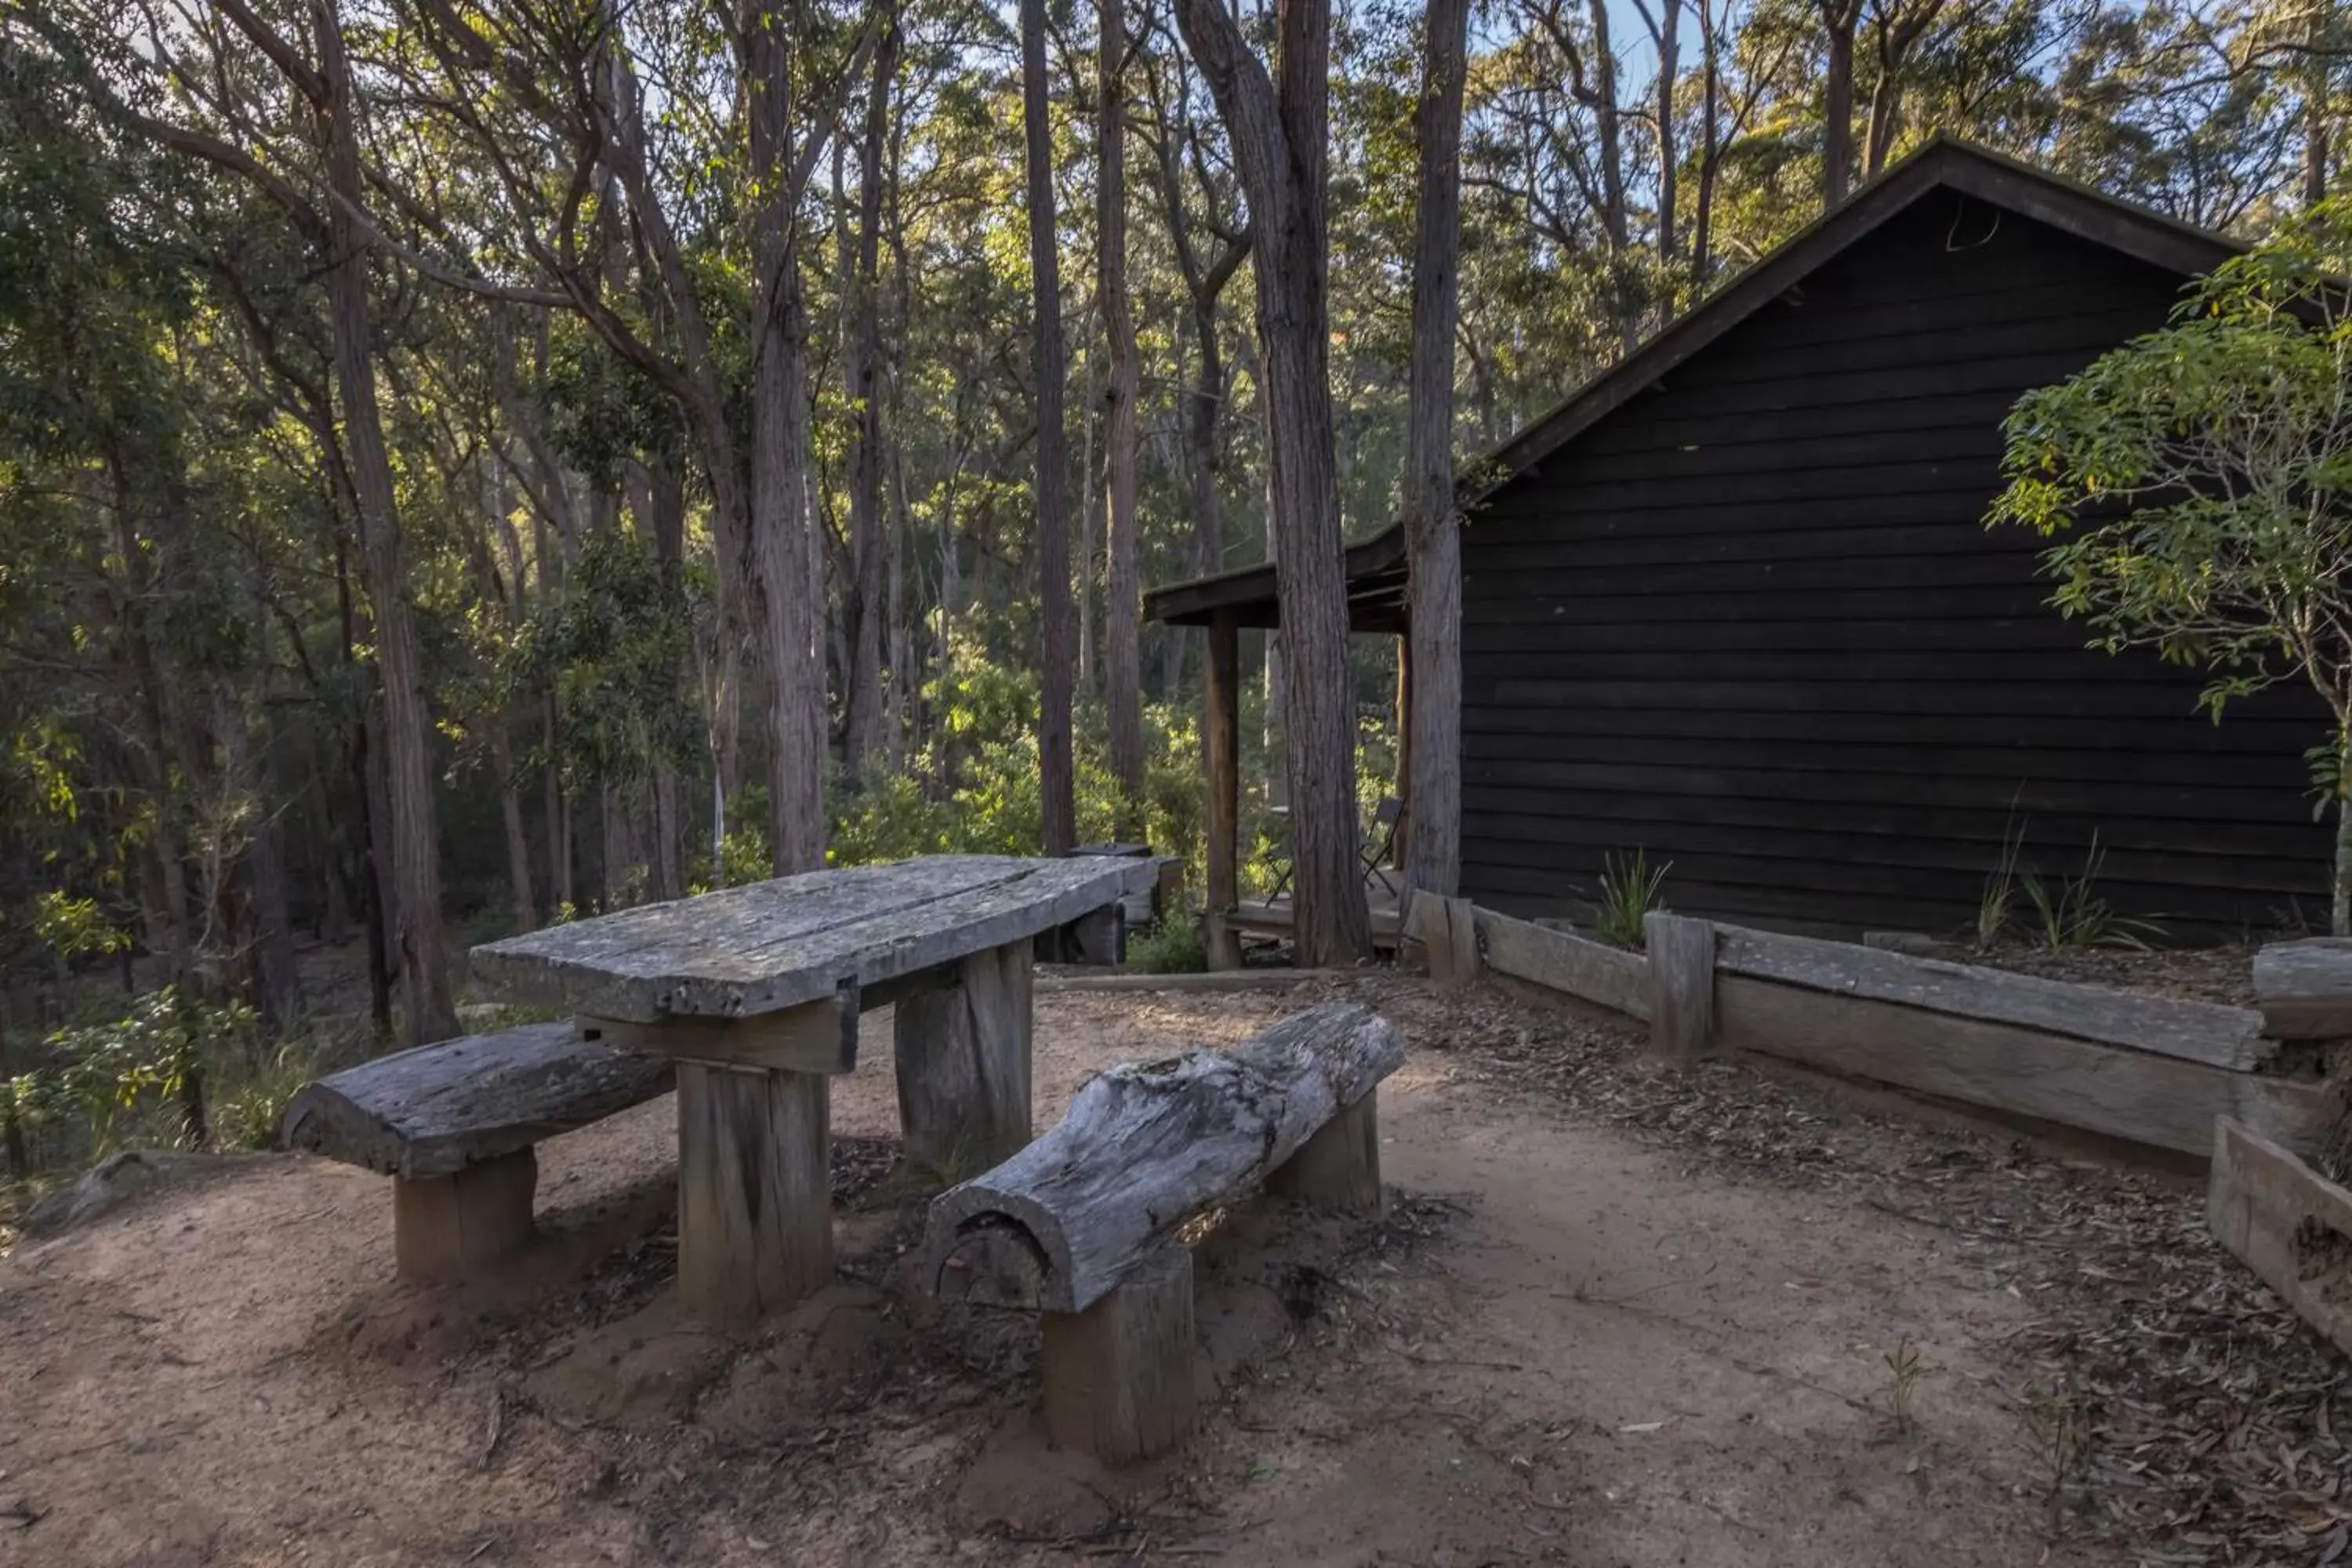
{"x":1733,"y":604}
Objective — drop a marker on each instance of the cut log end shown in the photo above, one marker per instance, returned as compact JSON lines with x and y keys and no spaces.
{"x":993,"y":1263}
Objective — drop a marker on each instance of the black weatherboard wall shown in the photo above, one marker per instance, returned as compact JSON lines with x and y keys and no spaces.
{"x":1750,"y":622}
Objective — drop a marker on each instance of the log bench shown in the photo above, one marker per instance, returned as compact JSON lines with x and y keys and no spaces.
{"x":454,"y":1125}
{"x":1080,"y":1226}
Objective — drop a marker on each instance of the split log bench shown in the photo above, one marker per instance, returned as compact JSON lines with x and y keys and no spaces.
{"x":1080,"y":1226}
{"x":455,"y":1126}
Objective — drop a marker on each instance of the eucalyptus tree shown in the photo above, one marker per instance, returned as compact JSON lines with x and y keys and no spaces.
{"x":555,"y":101}
{"x":1432,"y":535}
{"x":271,"y":103}
{"x":1279,"y":124}
{"x":1047,"y":367}
{"x":1123,"y":639}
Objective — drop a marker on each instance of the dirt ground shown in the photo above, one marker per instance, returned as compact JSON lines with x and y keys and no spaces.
{"x":1586,"y":1333}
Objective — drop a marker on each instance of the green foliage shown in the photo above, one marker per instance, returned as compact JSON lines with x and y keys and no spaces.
{"x":1171,"y":946}
{"x":71,"y":927}
{"x":1630,"y":888}
{"x":977,"y":787}
{"x":2199,"y":480}
{"x":614,"y":648}
{"x":99,"y":1072}
{"x":1995,"y":904}
{"x":251,"y":1110}
{"x":2071,"y":913}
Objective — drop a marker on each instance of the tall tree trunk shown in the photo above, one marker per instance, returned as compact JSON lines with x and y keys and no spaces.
{"x":2321,"y":40}
{"x":247,"y":741}
{"x":522,"y":905}
{"x":1609,"y":126}
{"x":12,"y":1131}
{"x":1665,"y":35}
{"x":561,"y":891}
{"x":1053,"y":503}
{"x":666,"y":509}
{"x":364,"y":814}
{"x":1280,"y":135}
{"x":1122,"y":610}
{"x":1838,"y":18}
{"x":781,"y":524}
{"x":1432,"y":541}
{"x":1616,"y":221}
{"x":861,"y":359}
{"x":1089,"y":675}
{"x":415,"y":840}
{"x":1203,"y":285}
{"x":1710,"y":149}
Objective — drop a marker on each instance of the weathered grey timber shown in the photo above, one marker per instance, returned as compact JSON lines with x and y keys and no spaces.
{"x":1145,"y":1146}
{"x":2287,"y":1223}
{"x":435,"y":1110}
{"x":962,"y":1061}
{"x":1119,"y":1377}
{"x":456,"y":1227}
{"x":2206,"y":1032}
{"x":2304,"y":988}
{"x":771,"y":945}
{"x":1680,"y":953}
{"x":1448,"y":934}
{"x":1338,"y":1168}
{"x":1608,"y":976}
{"x":754,"y":1189}
{"x":2152,"y":1100}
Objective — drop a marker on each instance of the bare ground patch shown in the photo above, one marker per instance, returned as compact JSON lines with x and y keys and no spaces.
{"x":1614,"y":1318}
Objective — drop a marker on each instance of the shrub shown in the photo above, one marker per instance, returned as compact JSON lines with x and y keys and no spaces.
{"x":1173,"y":946}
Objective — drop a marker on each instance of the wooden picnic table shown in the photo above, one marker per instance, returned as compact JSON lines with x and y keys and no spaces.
{"x":755,"y":993}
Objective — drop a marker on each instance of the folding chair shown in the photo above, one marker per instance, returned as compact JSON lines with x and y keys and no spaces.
{"x":1380,"y":843}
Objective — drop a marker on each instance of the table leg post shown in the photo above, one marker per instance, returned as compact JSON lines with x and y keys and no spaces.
{"x":754,"y":1189}
{"x":963,"y":1055}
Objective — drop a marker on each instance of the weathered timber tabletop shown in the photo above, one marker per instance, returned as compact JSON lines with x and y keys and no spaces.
{"x":755,"y":993}
{"x":767,"y":946}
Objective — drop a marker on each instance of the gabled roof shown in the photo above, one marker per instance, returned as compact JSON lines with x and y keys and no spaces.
{"x":1942,"y":163}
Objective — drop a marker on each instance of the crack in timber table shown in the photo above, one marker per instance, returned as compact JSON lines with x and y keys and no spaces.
{"x":755,"y":992}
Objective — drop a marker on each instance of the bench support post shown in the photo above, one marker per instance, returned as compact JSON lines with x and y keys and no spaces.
{"x":1118,"y":1376}
{"x":445,"y":1227}
{"x":962,"y":1056}
{"x":754,"y":1189}
{"x":1338,"y":1168}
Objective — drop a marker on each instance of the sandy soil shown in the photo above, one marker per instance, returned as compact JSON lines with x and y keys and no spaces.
{"x":1565,"y":1344}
